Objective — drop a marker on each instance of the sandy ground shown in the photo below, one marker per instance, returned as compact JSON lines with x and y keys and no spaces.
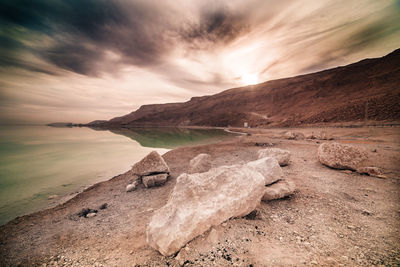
{"x":336,"y":218}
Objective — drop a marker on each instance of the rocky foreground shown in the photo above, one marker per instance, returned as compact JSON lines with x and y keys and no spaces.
{"x":275,"y":198}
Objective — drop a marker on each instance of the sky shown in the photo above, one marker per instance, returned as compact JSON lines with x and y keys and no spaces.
{"x":82,"y":60}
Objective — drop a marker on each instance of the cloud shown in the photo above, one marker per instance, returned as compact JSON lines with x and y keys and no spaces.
{"x":138,"y":52}
{"x":81,"y":31}
{"x":217,"y":25}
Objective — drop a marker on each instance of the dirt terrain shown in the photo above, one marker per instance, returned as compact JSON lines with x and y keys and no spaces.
{"x":336,"y":218}
{"x":364,"y":91}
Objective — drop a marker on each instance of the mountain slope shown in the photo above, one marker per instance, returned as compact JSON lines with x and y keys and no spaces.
{"x":366,"y":90}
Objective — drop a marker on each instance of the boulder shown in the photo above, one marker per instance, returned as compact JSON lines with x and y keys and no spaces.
{"x":153,"y":163}
{"x":342,"y":156}
{"x":281,"y":155}
{"x":154,"y":180}
{"x":201,"y":163}
{"x":202,"y":200}
{"x":279,"y":190}
{"x":269,"y":168}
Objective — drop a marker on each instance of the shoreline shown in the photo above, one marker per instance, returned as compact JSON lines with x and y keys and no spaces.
{"x":116,"y":235}
{"x":62,"y":199}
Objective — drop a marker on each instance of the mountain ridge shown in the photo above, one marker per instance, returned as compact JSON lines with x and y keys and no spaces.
{"x":367,"y":90}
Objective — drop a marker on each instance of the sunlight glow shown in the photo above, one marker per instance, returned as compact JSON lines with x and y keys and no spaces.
{"x":249,"y":79}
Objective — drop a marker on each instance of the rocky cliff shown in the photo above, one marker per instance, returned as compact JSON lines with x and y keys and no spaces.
{"x":368,"y":90}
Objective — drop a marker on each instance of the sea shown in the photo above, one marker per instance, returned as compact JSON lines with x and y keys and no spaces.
{"x":41,"y":164}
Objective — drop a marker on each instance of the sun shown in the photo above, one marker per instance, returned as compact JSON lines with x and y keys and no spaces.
{"x":249,"y":79}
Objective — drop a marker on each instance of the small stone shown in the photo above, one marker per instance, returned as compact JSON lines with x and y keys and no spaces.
{"x":294,"y":136}
{"x":52,"y":197}
{"x":314,"y":262}
{"x":154,"y":180}
{"x":85,"y":212}
{"x":366,"y":212}
{"x":131,"y":187}
{"x":91,"y":215}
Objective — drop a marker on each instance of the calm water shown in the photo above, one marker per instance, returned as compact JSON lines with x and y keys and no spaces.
{"x":39,"y":161}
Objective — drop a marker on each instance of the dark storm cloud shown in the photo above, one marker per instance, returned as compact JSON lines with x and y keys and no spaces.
{"x":374,"y":32}
{"x":80,"y":31}
{"x":9,"y":50}
{"x":76,"y":58}
{"x":141,"y":33}
{"x":219,"y":25}
{"x":15,"y":63}
{"x":368,"y":32}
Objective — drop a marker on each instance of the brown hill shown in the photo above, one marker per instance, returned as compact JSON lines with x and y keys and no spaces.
{"x":364,"y":91}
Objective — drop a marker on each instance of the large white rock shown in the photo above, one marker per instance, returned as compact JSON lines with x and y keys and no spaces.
{"x":200,"y":163}
{"x":153,"y":163}
{"x":281,"y":155}
{"x":202,"y":200}
{"x":269,"y":168}
{"x":279,"y":190}
{"x":342,"y":156}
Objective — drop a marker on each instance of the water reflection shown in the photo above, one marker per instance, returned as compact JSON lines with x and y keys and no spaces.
{"x":173,"y":137}
{"x":39,"y":161}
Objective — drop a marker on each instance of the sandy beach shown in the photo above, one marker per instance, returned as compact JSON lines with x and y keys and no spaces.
{"x":335,"y":218}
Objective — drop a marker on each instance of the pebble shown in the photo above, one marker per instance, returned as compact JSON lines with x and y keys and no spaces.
{"x":366,"y":212}
{"x":91,"y":215}
{"x":130,"y":187}
{"x":314,"y":262}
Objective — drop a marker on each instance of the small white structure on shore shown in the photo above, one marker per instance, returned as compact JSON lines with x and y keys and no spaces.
{"x":245,"y":125}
